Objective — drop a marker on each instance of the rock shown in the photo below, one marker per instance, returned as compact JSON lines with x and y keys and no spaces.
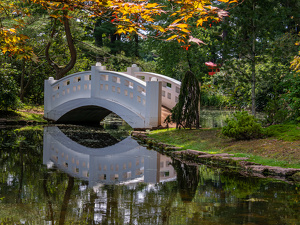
{"x":272,"y":170}
{"x":239,"y":158}
{"x":174,"y":148}
{"x":205,"y":156}
{"x":223,"y":154}
{"x":195,"y":152}
{"x":296,"y":176}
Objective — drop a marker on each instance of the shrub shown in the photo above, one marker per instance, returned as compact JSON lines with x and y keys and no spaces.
{"x":9,"y":98}
{"x":242,"y":126}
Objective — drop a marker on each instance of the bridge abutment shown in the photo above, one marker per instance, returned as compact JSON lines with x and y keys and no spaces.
{"x":153,"y":106}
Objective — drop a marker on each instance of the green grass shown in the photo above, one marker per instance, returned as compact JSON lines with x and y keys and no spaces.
{"x":26,"y":113}
{"x":28,"y":116}
{"x":187,"y":139}
{"x":28,"y":128}
{"x":285,"y":132}
{"x":210,"y":140}
{"x":267,"y":161}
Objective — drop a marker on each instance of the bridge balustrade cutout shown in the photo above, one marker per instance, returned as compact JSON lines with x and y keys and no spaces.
{"x":137,"y":97}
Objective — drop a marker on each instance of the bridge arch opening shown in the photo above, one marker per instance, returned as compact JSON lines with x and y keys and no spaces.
{"x":93,"y":110}
{"x":89,"y":114}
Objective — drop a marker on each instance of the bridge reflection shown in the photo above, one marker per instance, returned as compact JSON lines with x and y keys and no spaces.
{"x":123,"y":163}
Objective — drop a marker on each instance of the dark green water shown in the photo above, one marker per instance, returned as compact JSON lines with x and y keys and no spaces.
{"x":78,"y":175}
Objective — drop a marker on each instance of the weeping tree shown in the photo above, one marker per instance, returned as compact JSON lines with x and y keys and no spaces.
{"x":187,"y":111}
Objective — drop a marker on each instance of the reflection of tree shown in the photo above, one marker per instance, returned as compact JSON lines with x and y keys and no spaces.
{"x":66,"y":200}
{"x":50,"y":213}
{"x":19,"y":199}
{"x":188,"y":179}
{"x":112,"y":212}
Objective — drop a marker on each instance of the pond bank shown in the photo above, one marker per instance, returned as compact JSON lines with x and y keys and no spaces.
{"x":224,"y":157}
{"x":22,"y":117}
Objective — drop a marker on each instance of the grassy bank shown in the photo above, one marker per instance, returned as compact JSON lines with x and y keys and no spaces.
{"x":281,"y":149}
{"x":24,"y":114}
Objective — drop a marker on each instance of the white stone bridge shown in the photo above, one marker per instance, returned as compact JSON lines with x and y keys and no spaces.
{"x":88,"y":97}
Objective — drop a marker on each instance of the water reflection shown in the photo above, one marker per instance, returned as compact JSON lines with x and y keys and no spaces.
{"x":30,"y":193}
{"x":121,"y":163}
{"x":210,"y":118}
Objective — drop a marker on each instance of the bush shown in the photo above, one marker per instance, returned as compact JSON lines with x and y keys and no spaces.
{"x":242,"y":126}
{"x":9,"y":98}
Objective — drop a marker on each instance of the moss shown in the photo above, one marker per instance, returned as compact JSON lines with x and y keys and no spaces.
{"x":296,"y":177}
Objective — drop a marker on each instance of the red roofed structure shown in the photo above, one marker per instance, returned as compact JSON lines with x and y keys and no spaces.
{"x":213,"y":67}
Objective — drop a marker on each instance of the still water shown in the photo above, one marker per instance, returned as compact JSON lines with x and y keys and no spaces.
{"x":80,"y":175}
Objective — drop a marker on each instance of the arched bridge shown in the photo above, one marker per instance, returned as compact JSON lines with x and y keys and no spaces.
{"x":88,"y":97}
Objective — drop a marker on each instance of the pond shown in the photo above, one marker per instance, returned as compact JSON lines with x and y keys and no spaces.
{"x":211,"y":118}
{"x":87,"y":175}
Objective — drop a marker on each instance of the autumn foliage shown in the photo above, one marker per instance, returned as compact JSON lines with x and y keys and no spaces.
{"x":134,"y":16}
{"x":12,"y":41}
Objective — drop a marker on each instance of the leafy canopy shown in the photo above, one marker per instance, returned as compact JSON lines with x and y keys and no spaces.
{"x":12,"y":41}
{"x":134,"y":16}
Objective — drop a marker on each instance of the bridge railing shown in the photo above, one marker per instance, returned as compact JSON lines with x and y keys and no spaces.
{"x":140,"y":97}
{"x":170,"y":87}
{"x":71,"y":87}
{"x":120,"y":87}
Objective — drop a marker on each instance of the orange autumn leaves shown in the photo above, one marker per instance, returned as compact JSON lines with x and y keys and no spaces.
{"x":130,"y":16}
{"x":12,"y":42}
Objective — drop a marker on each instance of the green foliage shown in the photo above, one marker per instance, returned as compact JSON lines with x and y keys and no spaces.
{"x":286,"y":132}
{"x":291,"y":97}
{"x":276,"y":112}
{"x":211,"y":95}
{"x":284,"y":107}
{"x":242,"y":126}
{"x":8,"y":88}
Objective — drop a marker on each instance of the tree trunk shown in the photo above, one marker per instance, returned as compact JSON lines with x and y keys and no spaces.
{"x":253,"y":62}
{"x":63,"y":70}
{"x":22,"y":89}
{"x":67,"y":197}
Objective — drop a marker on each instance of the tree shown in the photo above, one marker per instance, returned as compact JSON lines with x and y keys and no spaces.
{"x":132,"y":17}
{"x":12,"y":41}
{"x":187,"y":111}
{"x":251,"y":32}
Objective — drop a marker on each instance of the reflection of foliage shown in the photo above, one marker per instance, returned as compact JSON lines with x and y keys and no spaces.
{"x":92,"y":137}
{"x":32,"y":193}
{"x":240,"y":187}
